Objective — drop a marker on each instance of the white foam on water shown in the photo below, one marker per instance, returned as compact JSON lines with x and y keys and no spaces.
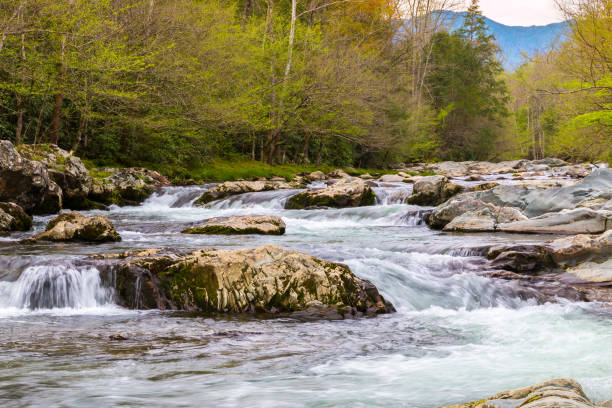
{"x":502,"y":348}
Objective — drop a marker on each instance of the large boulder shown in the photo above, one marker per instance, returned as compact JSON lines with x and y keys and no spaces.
{"x":433,"y":190}
{"x":598,"y":184}
{"x":66,"y":170}
{"x":569,"y":222}
{"x":486,"y":219}
{"x":448,"y":211}
{"x":27,"y":182}
{"x":14,"y":218}
{"x":266,"y":279}
{"x":240,"y":225}
{"x":74,"y":226}
{"x":231,"y":188}
{"x":348,"y":192}
{"x":560,"y":393}
{"x":125,"y":186}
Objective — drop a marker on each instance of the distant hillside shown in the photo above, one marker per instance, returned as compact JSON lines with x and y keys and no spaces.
{"x":514,"y":40}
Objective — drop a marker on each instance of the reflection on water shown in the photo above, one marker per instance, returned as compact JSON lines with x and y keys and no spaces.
{"x":457,"y":335}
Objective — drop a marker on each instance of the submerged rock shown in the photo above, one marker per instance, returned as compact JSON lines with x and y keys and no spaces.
{"x":560,"y":393}
{"x":522,"y":258}
{"x":231,"y":188}
{"x":14,"y":218}
{"x":266,"y":279}
{"x":348,"y":192}
{"x":74,"y":226}
{"x":27,"y":182}
{"x":433,"y":190}
{"x":239,"y":225}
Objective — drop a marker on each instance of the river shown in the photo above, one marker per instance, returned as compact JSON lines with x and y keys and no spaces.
{"x":457,"y":336}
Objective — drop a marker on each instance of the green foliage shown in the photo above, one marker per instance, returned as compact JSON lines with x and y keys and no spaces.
{"x":468,"y":93}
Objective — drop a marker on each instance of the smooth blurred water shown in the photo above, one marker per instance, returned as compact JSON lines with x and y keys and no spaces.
{"x":457,"y":336}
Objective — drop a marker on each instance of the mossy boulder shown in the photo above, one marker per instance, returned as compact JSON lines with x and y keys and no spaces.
{"x":232,"y":188}
{"x":127,"y":186}
{"x":68,"y":172}
{"x":240,"y":225}
{"x":266,"y":279}
{"x":74,"y":226}
{"x":14,"y":218}
{"x":348,"y":192}
{"x":27,"y":182}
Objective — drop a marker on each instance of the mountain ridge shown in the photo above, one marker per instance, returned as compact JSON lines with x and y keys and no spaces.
{"x":516,"y":40}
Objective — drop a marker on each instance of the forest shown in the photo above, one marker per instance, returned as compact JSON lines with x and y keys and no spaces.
{"x":176,"y":85}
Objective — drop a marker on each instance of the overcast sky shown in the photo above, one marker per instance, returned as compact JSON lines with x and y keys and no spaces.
{"x":521,"y":12}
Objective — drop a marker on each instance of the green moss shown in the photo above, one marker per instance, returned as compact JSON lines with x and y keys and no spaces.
{"x":99,"y":175}
{"x":226,"y":230}
{"x":191,"y":286}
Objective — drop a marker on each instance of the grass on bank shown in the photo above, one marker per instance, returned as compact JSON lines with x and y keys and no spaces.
{"x":228,"y":170}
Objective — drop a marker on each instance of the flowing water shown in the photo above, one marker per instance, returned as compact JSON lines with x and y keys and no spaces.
{"x":457,"y":334}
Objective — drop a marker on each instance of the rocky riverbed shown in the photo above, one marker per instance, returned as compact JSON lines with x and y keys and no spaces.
{"x":325,"y":290}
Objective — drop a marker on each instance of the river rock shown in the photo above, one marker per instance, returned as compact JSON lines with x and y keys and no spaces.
{"x":74,"y":226}
{"x":231,"y":188}
{"x":533,"y":258}
{"x":598,"y":184}
{"x":266,"y":279}
{"x":596,"y":272}
{"x":580,"y":248}
{"x":486,"y":219}
{"x":433,"y":190}
{"x":338,"y":174}
{"x":483,"y":186}
{"x":578,"y":221}
{"x":391,"y":178}
{"x":448,"y":169}
{"x":14,"y":218}
{"x":27,"y":182}
{"x":348,"y":192}
{"x":560,"y":393}
{"x":125,"y":186}
{"x":68,"y":172}
{"x":448,"y":211}
{"x":239,"y":225}
{"x":316,"y":176}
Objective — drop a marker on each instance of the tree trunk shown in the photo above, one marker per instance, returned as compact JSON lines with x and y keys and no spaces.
{"x":82,"y":127}
{"x":19,"y":126}
{"x":305,"y":151}
{"x":59,"y":96}
{"x":39,"y":124}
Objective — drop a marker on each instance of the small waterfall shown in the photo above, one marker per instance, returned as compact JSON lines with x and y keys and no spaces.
{"x":174,"y":197}
{"x":55,"y":286}
{"x":392,"y":193}
{"x":264,"y":200}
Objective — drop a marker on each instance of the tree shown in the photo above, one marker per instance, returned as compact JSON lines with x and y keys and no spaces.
{"x":468,"y":91}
